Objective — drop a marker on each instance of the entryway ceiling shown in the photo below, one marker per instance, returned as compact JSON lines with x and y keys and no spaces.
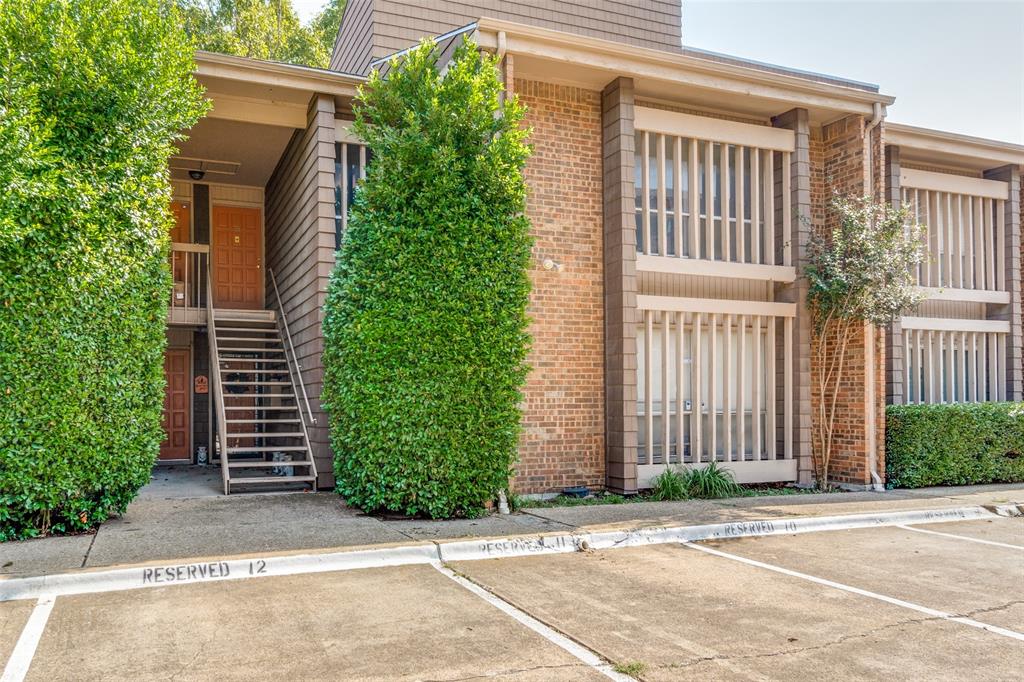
{"x":255,"y":147}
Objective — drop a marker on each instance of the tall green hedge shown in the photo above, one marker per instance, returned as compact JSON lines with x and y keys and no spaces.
{"x":954,"y":444}
{"x":94,"y":94}
{"x":425,"y":335}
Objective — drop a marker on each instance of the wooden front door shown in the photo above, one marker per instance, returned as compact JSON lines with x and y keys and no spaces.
{"x":237,"y":258}
{"x":177,"y":406}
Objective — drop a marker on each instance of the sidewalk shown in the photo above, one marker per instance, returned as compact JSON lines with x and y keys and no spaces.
{"x":178,"y":521}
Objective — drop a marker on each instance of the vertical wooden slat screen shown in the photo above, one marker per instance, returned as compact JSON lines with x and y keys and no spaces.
{"x":728,"y":408}
{"x":645,"y":197}
{"x":726,"y":229}
{"x":709,"y":200}
{"x":662,"y":215}
{"x":755,"y":206}
{"x":741,"y":219}
{"x":787,"y":210}
{"x":953,"y":366}
{"x":677,"y":195}
{"x":694,"y":218}
{"x":769,"y":208}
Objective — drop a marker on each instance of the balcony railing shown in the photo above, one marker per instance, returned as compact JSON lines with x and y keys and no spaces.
{"x":189,"y":266}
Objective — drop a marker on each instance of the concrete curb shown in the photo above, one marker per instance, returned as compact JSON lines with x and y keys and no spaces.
{"x":139,"y":577}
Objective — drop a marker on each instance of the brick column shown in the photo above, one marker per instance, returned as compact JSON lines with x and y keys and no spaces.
{"x":620,"y":286}
{"x":1014,"y":255}
{"x":800,"y":200}
{"x":859,"y":434}
{"x":894,"y":347}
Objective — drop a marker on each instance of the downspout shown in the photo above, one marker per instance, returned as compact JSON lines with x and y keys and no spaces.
{"x":878,"y":113}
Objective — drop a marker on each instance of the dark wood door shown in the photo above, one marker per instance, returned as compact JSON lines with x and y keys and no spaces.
{"x":177,"y":405}
{"x":237,"y":258}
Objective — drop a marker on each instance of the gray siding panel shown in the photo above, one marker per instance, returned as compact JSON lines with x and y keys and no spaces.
{"x":300,"y":251}
{"x":381,"y":27}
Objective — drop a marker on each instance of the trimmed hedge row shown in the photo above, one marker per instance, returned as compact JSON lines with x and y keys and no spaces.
{"x":956,"y":444}
{"x":425,"y":327}
{"x":95,"y":94}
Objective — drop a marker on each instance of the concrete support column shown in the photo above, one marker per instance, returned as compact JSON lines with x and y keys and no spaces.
{"x":620,"y":286}
{"x":894,"y":346}
{"x":798,"y":121}
{"x":1012,"y":248}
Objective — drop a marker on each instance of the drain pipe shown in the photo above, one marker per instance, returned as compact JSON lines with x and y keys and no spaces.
{"x":878,"y":113}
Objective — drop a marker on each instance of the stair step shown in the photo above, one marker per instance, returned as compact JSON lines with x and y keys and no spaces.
{"x":268,"y":328}
{"x":290,"y":408}
{"x":273,"y":360}
{"x":276,"y":480}
{"x":266,"y":448}
{"x":254,"y":383}
{"x":264,"y":465}
{"x":253,"y":371}
{"x":260,"y":395}
{"x":248,"y":339}
{"x":267,"y":434}
{"x":261,"y":421}
{"x":233,"y":349}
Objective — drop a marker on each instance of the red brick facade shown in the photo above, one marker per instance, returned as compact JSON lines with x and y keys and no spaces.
{"x":839,"y":166}
{"x":563,"y":415}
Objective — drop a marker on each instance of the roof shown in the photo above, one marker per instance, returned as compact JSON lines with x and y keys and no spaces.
{"x":940,"y":147}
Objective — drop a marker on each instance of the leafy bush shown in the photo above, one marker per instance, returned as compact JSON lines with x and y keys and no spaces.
{"x":95,"y":93}
{"x":671,"y":485}
{"x":425,"y":322}
{"x":682,"y":483}
{"x":712,"y":482}
{"x":956,"y":444}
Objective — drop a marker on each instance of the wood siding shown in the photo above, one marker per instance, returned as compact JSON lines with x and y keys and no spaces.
{"x":394,"y":25}
{"x":300,"y":251}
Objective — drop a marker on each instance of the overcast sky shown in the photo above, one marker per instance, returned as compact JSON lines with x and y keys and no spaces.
{"x":955,"y":65}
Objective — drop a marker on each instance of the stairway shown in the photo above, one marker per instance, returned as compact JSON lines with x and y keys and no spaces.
{"x":259,"y":411}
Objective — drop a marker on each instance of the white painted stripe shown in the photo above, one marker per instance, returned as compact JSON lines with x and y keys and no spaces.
{"x":25,"y":649}
{"x":554,"y":636}
{"x":963,"y":537}
{"x":863,"y":593}
{"x":185,"y":573}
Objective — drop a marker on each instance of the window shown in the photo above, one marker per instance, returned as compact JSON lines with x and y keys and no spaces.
{"x":350,"y":161}
{"x":953,"y":366}
{"x":710,"y":382}
{"x":718,"y":199}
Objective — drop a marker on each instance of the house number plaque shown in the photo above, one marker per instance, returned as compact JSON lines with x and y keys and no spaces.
{"x":202,"y":384}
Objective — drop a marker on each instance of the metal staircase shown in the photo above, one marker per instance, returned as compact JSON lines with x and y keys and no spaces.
{"x":260,"y":401}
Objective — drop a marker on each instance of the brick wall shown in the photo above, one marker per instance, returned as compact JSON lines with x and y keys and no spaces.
{"x":563,"y":413}
{"x":839,"y":165}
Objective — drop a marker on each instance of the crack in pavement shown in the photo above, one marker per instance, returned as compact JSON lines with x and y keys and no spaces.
{"x":510,"y":671}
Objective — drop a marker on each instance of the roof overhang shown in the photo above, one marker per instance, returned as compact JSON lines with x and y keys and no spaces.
{"x":555,"y":56}
{"x":940,"y":148}
{"x":268,"y":93}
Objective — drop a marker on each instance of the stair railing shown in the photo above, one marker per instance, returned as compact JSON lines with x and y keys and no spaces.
{"x":218,"y":391}
{"x":293,"y":361}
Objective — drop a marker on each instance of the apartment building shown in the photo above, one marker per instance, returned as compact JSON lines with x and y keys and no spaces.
{"x":673,"y":193}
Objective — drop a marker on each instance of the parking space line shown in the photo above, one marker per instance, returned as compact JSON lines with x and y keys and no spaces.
{"x":963,"y":537}
{"x":858,"y":591}
{"x":555,"y":637}
{"x":25,"y":649}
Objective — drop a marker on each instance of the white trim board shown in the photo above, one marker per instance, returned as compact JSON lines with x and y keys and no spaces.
{"x":714,"y":268}
{"x":969,"y":295}
{"x":676,"y":304}
{"x":945,"y":324}
{"x":714,"y":129}
{"x":957,"y":184}
{"x":759,"y":471}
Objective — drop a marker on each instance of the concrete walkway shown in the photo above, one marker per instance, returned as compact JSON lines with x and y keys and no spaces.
{"x":180,"y":515}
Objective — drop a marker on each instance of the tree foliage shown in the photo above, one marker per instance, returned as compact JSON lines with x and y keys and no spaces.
{"x":425,"y":335}
{"x":95,"y":93}
{"x":860,"y":272}
{"x":263,"y":29}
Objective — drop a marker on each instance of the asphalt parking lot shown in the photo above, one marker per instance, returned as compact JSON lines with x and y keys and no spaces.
{"x":936,"y":601}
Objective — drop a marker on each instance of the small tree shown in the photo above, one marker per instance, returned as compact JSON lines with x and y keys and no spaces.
{"x":95,"y":94}
{"x":425,"y":337}
{"x":861,"y":271}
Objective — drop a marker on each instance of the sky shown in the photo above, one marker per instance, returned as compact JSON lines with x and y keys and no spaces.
{"x":954,"y":65}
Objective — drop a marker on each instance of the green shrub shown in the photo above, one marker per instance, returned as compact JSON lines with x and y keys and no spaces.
{"x":712,"y":482}
{"x":95,"y":94}
{"x":956,"y":444}
{"x":670,"y":485}
{"x":425,"y":321}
